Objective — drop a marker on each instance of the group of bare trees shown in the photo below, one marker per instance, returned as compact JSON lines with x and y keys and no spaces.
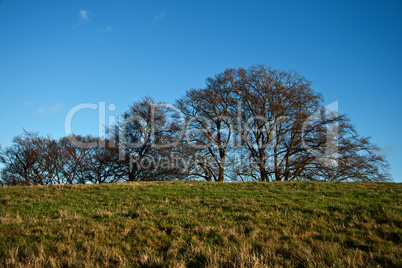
{"x":245,"y":124}
{"x":35,"y":160}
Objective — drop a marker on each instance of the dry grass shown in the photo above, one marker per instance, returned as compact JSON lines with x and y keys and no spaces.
{"x":199,"y":224}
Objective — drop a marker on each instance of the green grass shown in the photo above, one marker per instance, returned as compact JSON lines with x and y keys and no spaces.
{"x":198,"y":224}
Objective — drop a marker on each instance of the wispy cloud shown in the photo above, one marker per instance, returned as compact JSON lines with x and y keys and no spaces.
{"x":105,"y":29}
{"x":388,"y":150}
{"x":83,"y":15}
{"x":53,"y":109}
{"x":41,"y":110}
{"x":160,"y":16}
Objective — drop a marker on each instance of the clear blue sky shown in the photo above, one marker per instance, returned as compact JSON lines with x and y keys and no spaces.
{"x":57,"y":54}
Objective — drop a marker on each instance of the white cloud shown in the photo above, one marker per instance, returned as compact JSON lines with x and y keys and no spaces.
{"x":83,"y":14}
{"x":41,"y":110}
{"x":53,"y":109}
{"x":83,"y":17}
{"x":160,"y":16}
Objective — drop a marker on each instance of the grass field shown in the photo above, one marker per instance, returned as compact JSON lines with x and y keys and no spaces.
{"x":198,"y":224}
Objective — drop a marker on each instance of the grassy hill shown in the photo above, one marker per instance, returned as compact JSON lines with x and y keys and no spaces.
{"x":198,"y":224}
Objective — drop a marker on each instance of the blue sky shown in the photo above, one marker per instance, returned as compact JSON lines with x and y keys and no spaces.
{"x":55,"y":55}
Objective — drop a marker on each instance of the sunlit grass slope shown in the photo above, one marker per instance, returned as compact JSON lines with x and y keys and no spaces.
{"x":198,"y":224}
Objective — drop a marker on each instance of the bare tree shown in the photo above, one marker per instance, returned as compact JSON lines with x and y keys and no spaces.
{"x":209,"y":125}
{"x":145,"y":139}
{"x":274,"y":106}
{"x":278,"y":140}
{"x":74,"y":155}
{"x":101,"y":163}
{"x":356,"y":159}
{"x":22,"y":161}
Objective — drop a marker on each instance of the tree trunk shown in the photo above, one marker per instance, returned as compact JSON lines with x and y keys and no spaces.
{"x":263,"y":174}
{"x":277,"y":176}
{"x":221,"y":172}
{"x":131,"y":174}
{"x":222,"y":156}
